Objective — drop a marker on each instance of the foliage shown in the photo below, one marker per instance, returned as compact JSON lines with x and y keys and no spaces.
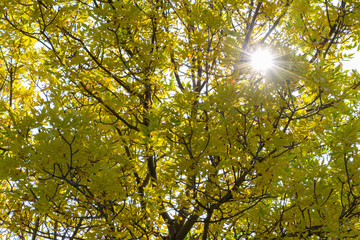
{"x":144,"y":120}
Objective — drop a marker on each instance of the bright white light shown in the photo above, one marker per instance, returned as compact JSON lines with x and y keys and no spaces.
{"x":261,"y":60}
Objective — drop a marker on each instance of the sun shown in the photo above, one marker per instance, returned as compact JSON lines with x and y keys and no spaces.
{"x":262,"y":60}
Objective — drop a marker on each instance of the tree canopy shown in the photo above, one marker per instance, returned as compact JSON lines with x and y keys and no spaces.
{"x":145,"y":119}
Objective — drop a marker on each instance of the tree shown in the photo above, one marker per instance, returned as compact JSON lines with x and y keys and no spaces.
{"x":145,"y":120}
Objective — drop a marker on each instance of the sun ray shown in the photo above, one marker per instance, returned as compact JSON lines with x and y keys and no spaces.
{"x":262,"y":60}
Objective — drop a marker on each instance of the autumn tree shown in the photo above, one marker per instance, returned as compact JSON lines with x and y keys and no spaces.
{"x":148,"y":120}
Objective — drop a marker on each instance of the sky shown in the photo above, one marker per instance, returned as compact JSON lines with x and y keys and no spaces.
{"x":353,"y":63}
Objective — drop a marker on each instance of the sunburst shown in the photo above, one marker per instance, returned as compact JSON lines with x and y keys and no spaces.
{"x":262,"y":60}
